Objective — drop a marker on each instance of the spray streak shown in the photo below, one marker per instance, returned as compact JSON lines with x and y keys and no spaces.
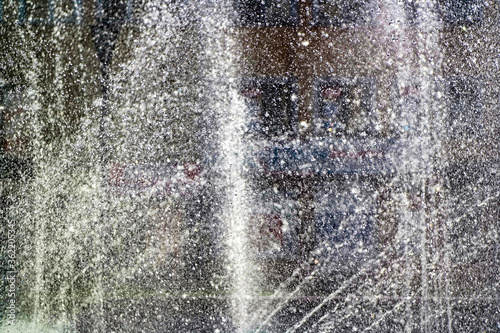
{"x":221,"y":54}
{"x":236,"y":212}
{"x":369,"y":265}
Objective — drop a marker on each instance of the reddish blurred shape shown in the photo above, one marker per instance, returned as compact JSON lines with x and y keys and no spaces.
{"x":272,"y":227}
{"x":116,"y":174}
{"x":410,"y":91}
{"x":192,"y":170}
{"x":252,"y":92}
{"x":331,"y":93}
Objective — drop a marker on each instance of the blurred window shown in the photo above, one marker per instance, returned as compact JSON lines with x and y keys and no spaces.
{"x":406,"y":106}
{"x":410,"y":11}
{"x":471,"y":183}
{"x":266,"y":12}
{"x":274,"y":223}
{"x":461,"y":11}
{"x":344,"y":108}
{"x":464,"y":108}
{"x":50,"y":11}
{"x":345,"y":213}
{"x":342,"y":12}
{"x":115,"y":10}
{"x":271,"y":106}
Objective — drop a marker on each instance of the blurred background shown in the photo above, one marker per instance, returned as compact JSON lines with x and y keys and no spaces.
{"x":249,"y":166}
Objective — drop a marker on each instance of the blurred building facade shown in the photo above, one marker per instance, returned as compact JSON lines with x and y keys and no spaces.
{"x":341,"y":89}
